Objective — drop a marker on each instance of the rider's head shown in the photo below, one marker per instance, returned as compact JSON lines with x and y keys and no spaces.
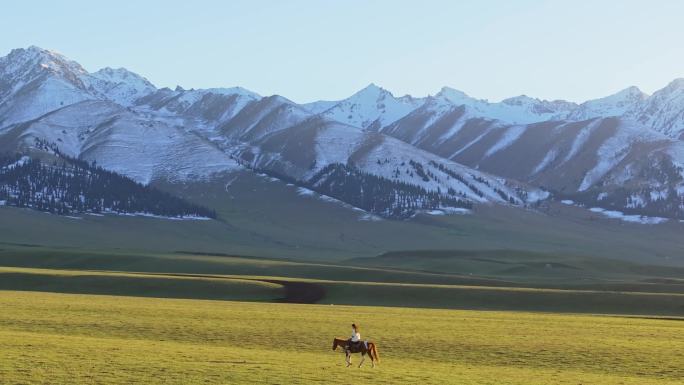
{"x":355,"y":327}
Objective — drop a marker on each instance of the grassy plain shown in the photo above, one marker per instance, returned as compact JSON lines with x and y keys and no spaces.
{"x":263,"y":218}
{"x":85,"y":339}
{"x":140,"y":285}
{"x":341,"y":292}
{"x":498,"y":263}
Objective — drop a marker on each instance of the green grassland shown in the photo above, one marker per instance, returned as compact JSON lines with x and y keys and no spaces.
{"x":258,"y":217}
{"x":66,"y":339}
{"x":307,"y":227}
{"x":339,"y":292}
{"x":295,"y":236}
{"x":98,"y":250}
{"x":451,"y":299}
{"x":141,"y":285}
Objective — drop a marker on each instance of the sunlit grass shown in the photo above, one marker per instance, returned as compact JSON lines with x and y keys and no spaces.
{"x":67,"y":339}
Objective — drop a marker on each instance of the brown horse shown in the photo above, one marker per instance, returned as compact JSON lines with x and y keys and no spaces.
{"x":363,"y":348}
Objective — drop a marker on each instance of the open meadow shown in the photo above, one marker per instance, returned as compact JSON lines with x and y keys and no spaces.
{"x":478,"y":300}
{"x":48,"y":338}
{"x":244,"y":192}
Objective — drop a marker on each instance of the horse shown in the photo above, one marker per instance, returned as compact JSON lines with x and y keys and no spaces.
{"x":363,"y":348}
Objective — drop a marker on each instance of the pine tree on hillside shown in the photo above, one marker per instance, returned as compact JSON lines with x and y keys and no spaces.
{"x":70,"y":186}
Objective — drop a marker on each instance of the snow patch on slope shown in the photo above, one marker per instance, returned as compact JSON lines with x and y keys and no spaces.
{"x":51,"y":95}
{"x":320,"y":106}
{"x":581,"y":139}
{"x":614,"y":150}
{"x":509,"y":137}
{"x":548,"y":158}
{"x":336,"y":144}
{"x":644,"y":220}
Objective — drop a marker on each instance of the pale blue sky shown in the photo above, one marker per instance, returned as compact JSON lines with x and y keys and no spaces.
{"x":308,"y":50}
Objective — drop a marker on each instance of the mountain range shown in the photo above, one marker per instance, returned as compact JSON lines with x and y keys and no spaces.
{"x":622,"y":155}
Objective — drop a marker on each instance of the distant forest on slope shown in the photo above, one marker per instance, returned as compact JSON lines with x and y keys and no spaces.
{"x":374,"y":194}
{"x":68,"y":186}
{"x":389,"y":198}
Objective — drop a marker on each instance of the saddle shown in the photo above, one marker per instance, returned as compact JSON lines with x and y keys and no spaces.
{"x":357,"y":347}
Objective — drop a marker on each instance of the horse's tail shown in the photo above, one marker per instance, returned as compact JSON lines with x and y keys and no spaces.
{"x":374,"y":352}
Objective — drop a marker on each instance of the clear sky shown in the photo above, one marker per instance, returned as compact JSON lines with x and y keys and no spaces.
{"x":326,"y":49}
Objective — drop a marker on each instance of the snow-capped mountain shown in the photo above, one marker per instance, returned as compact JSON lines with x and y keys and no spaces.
{"x":212,"y":105}
{"x":261,"y":118}
{"x":123,"y":141}
{"x":626,"y":101}
{"x":387,"y":155}
{"x":517,"y":110}
{"x":121,"y":121}
{"x":619,"y":152}
{"x":596,"y":161}
{"x":320,"y":153}
{"x":119,"y":85}
{"x":34,"y":81}
{"x":664,"y":110}
{"x":372,"y":107}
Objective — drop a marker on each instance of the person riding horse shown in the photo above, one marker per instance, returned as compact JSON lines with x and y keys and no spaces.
{"x":355,"y":345}
{"x":355,"y":340}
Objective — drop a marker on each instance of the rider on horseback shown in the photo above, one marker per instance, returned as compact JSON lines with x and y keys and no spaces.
{"x":355,"y":340}
{"x":355,"y":345}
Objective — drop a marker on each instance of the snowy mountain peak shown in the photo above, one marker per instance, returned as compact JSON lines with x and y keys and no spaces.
{"x":372,"y":87}
{"x":618,"y":104}
{"x":410,"y":99}
{"x":121,"y":75}
{"x":34,"y":60}
{"x":516,"y":110}
{"x":664,"y":110}
{"x":34,"y":81}
{"x":118,"y":85}
{"x":520,"y":100}
{"x":455,"y":96}
{"x":372,"y":91}
{"x":37,"y":50}
{"x":674,"y":90}
{"x":633,"y":90}
{"x":676,"y":84}
{"x":33,"y":52}
{"x":240,"y":91}
{"x":628,"y":95}
{"x":372,"y":107}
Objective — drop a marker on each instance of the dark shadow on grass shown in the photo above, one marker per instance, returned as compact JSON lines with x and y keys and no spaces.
{"x":299,"y":292}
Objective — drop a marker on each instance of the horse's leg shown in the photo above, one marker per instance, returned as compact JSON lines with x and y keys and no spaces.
{"x":348,"y":358}
{"x":363,"y":358}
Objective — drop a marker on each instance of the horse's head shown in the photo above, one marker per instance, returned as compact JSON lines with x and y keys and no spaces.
{"x":334,"y":343}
